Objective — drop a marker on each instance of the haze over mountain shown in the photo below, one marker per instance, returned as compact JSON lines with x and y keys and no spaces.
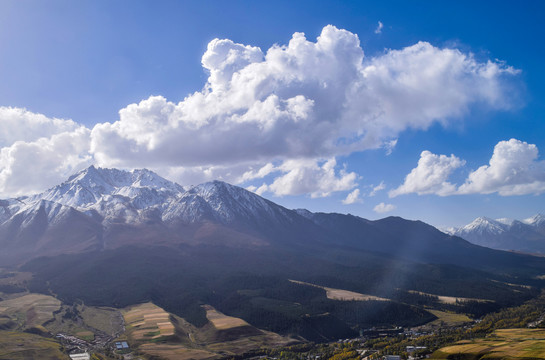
{"x":527,"y":235}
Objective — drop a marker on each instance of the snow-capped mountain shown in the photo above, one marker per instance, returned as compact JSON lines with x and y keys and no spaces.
{"x":106,"y":209}
{"x":537,"y":221}
{"x":135,"y":196}
{"x":111,"y":200}
{"x":527,"y":235}
{"x":483,"y":226}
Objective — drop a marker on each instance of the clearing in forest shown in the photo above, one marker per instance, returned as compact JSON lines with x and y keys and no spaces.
{"x":449,"y":299}
{"x":343,"y":295}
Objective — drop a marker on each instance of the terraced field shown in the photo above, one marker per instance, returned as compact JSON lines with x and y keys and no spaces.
{"x":148,"y":321}
{"x":502,"y":344}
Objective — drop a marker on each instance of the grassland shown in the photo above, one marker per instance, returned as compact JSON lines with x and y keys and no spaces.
{"x":501,"y":344}
{"x":449,"y":319}
{"x":343,"y":295}
{"x":108,"y":320}
{"x":30,"y":310}
{"x":18,"y":345}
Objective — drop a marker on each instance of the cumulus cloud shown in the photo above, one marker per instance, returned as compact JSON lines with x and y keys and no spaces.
{"x":384,"y":208}
{"x":353,"y":198}
{"x":305,"y":100}
{"x":37,"y":152}
{"x":18,"y":124}
{"x":29,"y":167}
{"x":378,"y":30}
{"x":514,"y":169}
{"x":309,"y":177}
{"x":430,"y":176}
{"x":284,"y":114}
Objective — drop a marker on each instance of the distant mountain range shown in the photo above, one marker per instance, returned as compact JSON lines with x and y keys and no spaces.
{"x":116,"y":238}
{"x":526,"y":235}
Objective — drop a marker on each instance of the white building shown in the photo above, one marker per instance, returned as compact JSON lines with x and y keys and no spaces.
{"x":81,"y":356}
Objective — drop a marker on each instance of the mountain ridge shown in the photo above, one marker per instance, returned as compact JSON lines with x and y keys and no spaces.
{"x":138,"y":238}
{"x":527,"y":235}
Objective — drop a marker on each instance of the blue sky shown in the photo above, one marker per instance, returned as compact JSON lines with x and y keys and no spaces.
{"x":451,"y":84}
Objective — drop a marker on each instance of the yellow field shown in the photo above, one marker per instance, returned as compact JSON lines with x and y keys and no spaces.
{"x":502,"y":344}
{"x":343,"y":295}
{"x":148,"y":321}
{"x":31,"y":309}
{"x":222,"y":321}
{"x":449,"y":299}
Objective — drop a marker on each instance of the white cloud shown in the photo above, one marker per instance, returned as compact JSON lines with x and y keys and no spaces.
{"x":29,"y":167}
{"x":377,"y":188}
{"x":18,"y":124}
{"x":430,"y":176}
{"x":305,"y":100}
{"x":353,"y":198}
{"x":384,"y":208}
{"x":378,"y":30}
{"x":279,"y":112}
{"x":309,"y":177}
{"x":390,"y":146}
{"x":512,"y":170}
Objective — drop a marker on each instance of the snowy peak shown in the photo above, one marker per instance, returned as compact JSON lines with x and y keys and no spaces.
{"x":527,"y":235}
{"x":536,"y":220}
{"x":141,"y":195}
{"x":88,"y":187}
{"x":483,"y":225}
{"x":231,"y":203}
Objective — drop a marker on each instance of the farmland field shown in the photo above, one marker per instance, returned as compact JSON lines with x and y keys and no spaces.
{"x":221,"y":321}
{"x":502,"y":344}
{"x":148,"y":321}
